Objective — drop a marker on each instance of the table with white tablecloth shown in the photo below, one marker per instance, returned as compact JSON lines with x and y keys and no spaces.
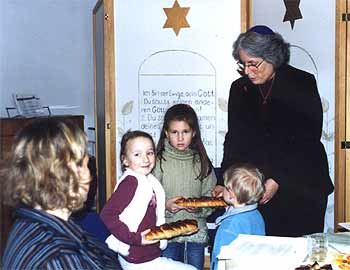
{"x":250,"y":252}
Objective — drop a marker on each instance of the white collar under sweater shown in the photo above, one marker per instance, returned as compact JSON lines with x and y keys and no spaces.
{"x":138,"y":207}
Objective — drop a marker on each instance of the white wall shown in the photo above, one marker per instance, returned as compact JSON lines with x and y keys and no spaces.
{"x":315,"y":33}
{"x":46,"y":48}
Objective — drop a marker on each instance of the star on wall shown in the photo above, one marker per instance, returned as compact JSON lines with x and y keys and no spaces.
{"x":176,"y":17}
{"x":292,"y":11}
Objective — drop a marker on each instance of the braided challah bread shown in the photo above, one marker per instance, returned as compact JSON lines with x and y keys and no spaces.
{"x":201,"y":202}
{"x":173,"y":229}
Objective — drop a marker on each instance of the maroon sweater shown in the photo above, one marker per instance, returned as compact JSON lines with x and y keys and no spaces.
{"x":119,"y":200}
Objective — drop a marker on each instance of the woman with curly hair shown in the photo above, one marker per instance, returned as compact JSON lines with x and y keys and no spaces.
{"x":47,"y":179}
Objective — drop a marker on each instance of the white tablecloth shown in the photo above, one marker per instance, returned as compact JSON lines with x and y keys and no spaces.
{"x":249,"y":252}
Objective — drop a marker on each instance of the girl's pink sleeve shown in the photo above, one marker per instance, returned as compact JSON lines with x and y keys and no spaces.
{"x":119,"y":200}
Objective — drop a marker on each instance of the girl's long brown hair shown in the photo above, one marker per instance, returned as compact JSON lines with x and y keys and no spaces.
{"x":184,"y":112}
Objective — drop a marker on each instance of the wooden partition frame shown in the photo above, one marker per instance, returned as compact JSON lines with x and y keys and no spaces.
{"x":104,"y":92}
{"x":109,"y":131}
{"x":246,"y":17}
{"x":342,"y":122}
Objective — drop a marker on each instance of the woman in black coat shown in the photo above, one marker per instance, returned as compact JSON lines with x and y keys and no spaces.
{"x":275,"y":122}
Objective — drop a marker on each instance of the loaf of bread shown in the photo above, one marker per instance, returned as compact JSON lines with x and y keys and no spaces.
{"x":201,"y":202}
{"x":173,"y":229}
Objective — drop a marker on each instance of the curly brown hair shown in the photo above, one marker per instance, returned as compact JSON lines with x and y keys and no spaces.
{"x":38,"y":173}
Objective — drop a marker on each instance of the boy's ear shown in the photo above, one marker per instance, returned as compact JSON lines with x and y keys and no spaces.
{"x":232,"y":194}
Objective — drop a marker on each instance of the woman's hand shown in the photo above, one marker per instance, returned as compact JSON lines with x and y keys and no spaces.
{"x":271,"y":188}
{"x":218,"y":191}
{"x":171,"y":206}
{"x":147,"y":242}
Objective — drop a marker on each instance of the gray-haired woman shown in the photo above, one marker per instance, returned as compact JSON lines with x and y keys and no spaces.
{"x":275,"y":122}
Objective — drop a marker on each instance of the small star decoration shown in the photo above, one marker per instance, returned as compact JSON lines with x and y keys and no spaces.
{"x":292,"y":11}
{"x":176,"y":17}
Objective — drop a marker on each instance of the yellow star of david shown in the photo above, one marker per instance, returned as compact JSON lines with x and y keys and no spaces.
{"x":176,"y":17}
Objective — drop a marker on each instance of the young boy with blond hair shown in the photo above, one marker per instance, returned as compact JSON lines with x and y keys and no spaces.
{"x":244,"y":187}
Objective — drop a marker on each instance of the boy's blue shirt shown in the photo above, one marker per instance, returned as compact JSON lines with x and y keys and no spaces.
{"x":235,"y":221}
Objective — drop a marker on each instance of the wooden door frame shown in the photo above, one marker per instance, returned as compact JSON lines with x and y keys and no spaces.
{"x":342,"y":162}
{"x":110,"y":93}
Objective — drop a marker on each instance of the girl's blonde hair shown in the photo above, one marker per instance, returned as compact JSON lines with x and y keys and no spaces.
{"x":246,"y":181}
{"x":38,"y":173}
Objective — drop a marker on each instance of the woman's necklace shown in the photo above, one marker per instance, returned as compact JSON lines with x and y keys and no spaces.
{"x":268,"y":92}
